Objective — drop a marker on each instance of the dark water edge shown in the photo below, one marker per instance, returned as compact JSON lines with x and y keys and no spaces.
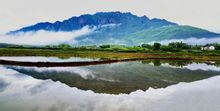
{"x":87,"y":63}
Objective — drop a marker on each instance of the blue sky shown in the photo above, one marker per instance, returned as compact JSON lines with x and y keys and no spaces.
{"x":18,"y":13}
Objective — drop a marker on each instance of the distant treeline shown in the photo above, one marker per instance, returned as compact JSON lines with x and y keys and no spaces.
{"x":174,"y":46}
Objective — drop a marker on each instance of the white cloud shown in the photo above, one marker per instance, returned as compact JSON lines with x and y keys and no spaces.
{"x":44,"y":37}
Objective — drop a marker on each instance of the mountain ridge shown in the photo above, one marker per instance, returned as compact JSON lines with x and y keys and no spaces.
{"x":126,"y":28}
{"x":100,"y":18}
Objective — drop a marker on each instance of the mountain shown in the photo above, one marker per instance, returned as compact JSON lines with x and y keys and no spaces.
{"x":120,"y":28}
{"x":98,"y":19}
{"x":5,"y":45}
{"x":168,"y":33}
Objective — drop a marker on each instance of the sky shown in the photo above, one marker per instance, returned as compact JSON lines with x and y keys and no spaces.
{"x":15,"y":14}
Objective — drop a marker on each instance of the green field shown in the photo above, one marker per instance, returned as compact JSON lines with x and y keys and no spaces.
{"x":113,"y":55}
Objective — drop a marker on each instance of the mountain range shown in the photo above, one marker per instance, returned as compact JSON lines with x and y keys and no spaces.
{"x":120,"y":28}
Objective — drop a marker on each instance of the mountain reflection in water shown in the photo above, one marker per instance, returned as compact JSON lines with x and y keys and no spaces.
{"x":124,"y":77}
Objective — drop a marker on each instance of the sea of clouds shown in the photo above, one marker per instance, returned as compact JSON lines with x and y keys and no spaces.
{"x":42,"y":37}
{"x":45,"y":37}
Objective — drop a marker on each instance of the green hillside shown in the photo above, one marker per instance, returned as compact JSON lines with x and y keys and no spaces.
{"x":167,"y":33}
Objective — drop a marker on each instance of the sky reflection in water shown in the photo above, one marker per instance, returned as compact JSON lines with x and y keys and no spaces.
{"x":22,"y":92}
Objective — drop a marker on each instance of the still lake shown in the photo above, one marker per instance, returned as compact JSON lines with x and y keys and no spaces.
{"x":134,"y":85}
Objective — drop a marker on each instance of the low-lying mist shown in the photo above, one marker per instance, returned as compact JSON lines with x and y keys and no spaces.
{"x":192,"y":41}
{"x":40,"y":38}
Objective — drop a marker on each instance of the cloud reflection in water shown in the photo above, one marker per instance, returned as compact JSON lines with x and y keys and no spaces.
{"x":25,"y":93}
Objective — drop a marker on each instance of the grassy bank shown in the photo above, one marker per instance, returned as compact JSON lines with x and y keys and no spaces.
{"x":113,"y":55}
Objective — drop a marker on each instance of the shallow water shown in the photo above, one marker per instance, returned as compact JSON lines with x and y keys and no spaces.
{"x":45,"y":59}
{"x":91,"y":87}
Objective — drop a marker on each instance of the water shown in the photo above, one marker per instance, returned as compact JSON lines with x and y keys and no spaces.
{"x":175,"y":83}
{"x":45,"y":59}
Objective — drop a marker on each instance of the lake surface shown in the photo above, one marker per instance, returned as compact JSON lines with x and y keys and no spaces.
{"x":98,"y":87}
{"x":45,"y":59}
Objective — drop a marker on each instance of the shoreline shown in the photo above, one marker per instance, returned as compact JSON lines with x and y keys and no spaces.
{"x":106,"y":57}
{"x":82,"y":63}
